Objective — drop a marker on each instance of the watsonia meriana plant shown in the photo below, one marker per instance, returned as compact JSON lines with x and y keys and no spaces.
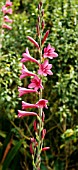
{"x":36,"y":86}
{"x":5,"y":20}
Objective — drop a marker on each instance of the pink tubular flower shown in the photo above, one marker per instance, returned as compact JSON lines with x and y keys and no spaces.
{"x":8,"y":3}
{"x":45,"y":148}
{"x":35,"y":83}
{"x":33,"y":41}
{"x":6,"y":11}
{"x":6,"y":19}
{"x":27,"y":57}
{"x":24,"y":113}
{"x":23,"y":91}
{"x":25,"y":72}
{"x":49,"y":52}
{"x":9,"y":11}
{"x":26,"y":105}
{"x":42,"y":103}
{"x":45,"y":36}
{"x":7,"y":26}
{"x":45,"y":68}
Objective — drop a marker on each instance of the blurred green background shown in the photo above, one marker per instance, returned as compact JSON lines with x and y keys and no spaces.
{"x":61,"y":90}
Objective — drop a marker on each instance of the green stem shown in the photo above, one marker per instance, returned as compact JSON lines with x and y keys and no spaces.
{"x":40,"y":141}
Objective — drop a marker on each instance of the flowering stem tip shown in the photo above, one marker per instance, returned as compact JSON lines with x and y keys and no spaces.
{"x":36,"y":85}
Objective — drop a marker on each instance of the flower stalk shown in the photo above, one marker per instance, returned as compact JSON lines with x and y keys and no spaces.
{"x":5,"y":20}
{"x":36,"y":86}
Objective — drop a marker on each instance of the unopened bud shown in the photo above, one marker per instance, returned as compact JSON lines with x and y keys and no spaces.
{"x":38,"y":18}
{"x":40,"y":4}
{"x":43,"y":133}
{"x":43,"y":24}
{"x":38,"y":30}
{"x":42,"y":12}
{"x":35,"y":125}
{"x":43,"y":116}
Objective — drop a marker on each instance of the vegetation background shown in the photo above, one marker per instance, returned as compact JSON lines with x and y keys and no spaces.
{"x":61,"y":18}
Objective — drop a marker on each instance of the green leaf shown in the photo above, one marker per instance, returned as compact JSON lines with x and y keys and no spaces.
{"x":11,"y":155}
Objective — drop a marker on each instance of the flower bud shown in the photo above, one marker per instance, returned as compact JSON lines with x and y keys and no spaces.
{"x":43,"y":133}
{"x":38,"y":19}
{"x":43,"y":116}
{"x":35,"y":125}
{"x":38,"y":30}
{"x":38,"y":6}
{"x":40,"y":3}
{"x":43,"y":24}
{"x":42,"y":12}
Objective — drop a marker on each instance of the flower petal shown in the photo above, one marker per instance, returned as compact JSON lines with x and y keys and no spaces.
{"x":25,"y":113}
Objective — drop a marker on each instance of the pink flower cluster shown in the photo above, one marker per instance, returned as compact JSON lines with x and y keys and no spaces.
{"x":6,"y":9}
{"x":36,"y":82}
{"x":44,"y":69}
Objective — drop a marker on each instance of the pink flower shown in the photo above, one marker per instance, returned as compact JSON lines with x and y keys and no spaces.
{"x":25,"y":72}
{"x":9,"y":11}
{"x":45,"y":68}
{"x":6,"y":26}
{"x":45,"y":36}
{"x":33,"y":41}
{"x":45,"y":148}
{"x":26,"y":105}
{"x":35,"y":83}
{"x":42,"y":103}
{"x":24,"y":113}
{"x":6,"y":19}
{"x":23,"y":91}
{"x":27,"y":57}
{"x":6,"y":11}
{"x":49,"y":52}
{"x":8,"y":3}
